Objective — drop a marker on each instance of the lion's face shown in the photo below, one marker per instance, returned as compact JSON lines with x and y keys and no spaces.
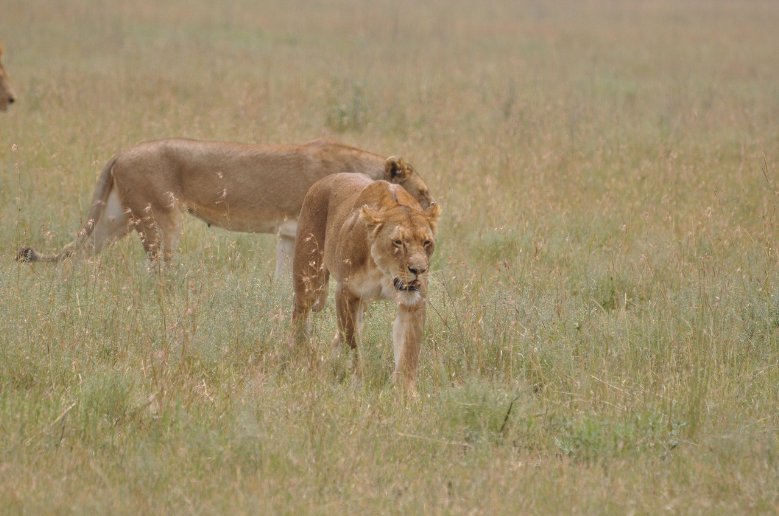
{"x":6,"y":95}
{"x":402,"y":241}
{"x":400,"y":172}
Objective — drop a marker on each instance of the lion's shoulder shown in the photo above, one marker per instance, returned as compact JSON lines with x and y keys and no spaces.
{"x":384,"y":195}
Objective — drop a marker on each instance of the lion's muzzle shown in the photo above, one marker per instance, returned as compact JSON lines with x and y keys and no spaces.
{"x":412,"y":286}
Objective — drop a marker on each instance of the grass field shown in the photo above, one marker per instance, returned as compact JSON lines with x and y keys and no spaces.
{"x":603,"y":329}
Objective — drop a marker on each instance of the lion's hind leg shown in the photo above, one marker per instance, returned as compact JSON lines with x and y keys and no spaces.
{"x":310,"y":278}
{"x":309,"y":272}
{"x":159,"y":229}
{"x":350,"y":309}
{"x":113,"y":224}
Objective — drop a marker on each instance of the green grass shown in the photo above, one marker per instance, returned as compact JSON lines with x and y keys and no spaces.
{"x":603,"y":328}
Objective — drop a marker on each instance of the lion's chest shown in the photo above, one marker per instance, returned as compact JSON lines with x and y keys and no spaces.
{"x":370,"y":285}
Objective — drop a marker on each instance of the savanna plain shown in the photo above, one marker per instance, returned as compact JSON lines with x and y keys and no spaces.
{"x":603,"y":322}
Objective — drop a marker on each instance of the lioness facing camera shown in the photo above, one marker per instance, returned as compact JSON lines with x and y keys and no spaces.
{"x":376,"y":240}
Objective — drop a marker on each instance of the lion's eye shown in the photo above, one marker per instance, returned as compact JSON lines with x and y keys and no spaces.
{"x":397,"y":243}
{"x":427,"y":243}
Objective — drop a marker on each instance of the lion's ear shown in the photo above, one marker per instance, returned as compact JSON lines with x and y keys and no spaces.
{"x":433,"y":213}
{"x":395,"y":169}
{"x":372,"y":218}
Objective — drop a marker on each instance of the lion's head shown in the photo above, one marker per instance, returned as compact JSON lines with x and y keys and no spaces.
{"x":400,"y":172}
{"x":6,"y":95}
{"x":402,"y":240}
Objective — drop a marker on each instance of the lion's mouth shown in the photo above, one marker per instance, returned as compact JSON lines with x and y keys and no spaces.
{"x":412,"y":286}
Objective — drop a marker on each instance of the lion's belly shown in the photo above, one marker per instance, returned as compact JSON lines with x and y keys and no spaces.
{"x":257,"y":222}
{"x":229,"y":200}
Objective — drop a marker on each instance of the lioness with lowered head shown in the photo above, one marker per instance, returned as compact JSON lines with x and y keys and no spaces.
{"x":6,"y":94}
{"x":376,"y":240}
{"x":240,"y":187}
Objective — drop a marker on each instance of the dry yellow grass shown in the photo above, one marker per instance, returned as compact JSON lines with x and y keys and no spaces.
{"x":603,"y":334}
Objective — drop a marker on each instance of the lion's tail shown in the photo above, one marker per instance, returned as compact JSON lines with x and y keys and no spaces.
{"x":99,"y":197}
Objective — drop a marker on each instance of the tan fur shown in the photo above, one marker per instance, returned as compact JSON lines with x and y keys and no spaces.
{"x":6,"y":94}
{"x":240,"y":187}
{"x":376,"y":241}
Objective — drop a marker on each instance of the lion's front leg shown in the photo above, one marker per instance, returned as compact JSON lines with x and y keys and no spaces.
{"x":407,"y":333}
{"x":285,"y":248}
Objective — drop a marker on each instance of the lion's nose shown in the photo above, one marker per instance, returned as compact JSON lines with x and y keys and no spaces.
{"x":417,"y":269}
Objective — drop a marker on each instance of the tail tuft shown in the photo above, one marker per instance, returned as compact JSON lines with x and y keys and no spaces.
{"x":27,"y":255}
